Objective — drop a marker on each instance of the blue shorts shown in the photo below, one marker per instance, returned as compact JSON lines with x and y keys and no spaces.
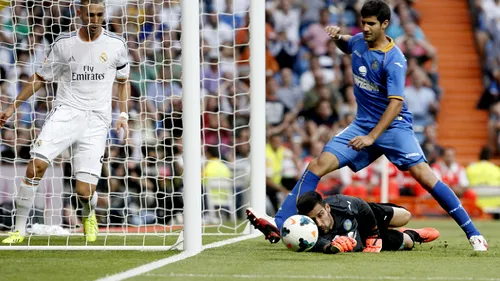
{"x":399,"y":145}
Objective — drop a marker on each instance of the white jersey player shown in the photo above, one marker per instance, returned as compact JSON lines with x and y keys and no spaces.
{"x":85,"y":64}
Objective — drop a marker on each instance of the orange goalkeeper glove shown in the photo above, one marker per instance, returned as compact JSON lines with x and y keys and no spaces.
{"x":373,"y":245}
{"x":343,"y":244}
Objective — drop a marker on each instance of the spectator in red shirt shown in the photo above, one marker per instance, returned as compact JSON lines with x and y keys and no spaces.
{"x":453,"y":174}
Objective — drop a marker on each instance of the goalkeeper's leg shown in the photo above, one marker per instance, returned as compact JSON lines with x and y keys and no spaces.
{"x":405,"y":239}
{"x":25,"y":198}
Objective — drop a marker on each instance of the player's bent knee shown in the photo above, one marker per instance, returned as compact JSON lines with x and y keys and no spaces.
{"x":400,"y":218}
{"x":87,"y":178}
{"x":324,"y":164}
{"x":36,"y":169}
{"x":423,"y":174}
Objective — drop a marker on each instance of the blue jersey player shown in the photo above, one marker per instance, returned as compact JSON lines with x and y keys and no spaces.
{"x":383,"y":126}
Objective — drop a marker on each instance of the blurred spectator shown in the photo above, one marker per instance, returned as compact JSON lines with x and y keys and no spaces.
{"x":421,"y":100}
{"x":315,"y":38}
{"x":432,"y":150}
{"x":275,"y":154}
{"x":214,"y":173}
{"x":278,"y":116}
{"x":287,"y":18}
{"x":484,"y":172}
{"x":316,"y":76}
{"x":453,"y":174}
{"x":283,"y":49}
{"x":288,"y":92}
{"x":484,"y":177}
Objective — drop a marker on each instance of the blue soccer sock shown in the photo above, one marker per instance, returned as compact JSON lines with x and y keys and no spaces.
{"x":450,"y":203}
{"x":307,"y":182}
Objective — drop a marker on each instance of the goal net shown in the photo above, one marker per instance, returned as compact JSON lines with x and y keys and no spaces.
{"x":140,"y":202}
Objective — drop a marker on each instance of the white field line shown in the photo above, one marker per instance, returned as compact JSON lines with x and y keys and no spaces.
{"x":321,"y":277}
{"x":160,"y":263}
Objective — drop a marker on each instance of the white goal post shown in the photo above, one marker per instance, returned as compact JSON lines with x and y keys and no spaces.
{"x":138,"y":206}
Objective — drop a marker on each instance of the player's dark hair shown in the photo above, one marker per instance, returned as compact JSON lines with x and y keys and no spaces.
{"x":378,"y":8}
{"x":88,"y":2}
{"x":308,"y":201}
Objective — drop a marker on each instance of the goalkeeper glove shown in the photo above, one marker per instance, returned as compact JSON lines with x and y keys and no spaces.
{"x":343,"y":244}
{"x":373,"y":245}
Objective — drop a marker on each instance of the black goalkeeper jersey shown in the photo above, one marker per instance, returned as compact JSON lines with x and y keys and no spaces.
{"x":352,"y":217}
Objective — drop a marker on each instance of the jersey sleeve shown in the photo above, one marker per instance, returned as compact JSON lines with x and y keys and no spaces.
{"x":396,"y":76}
{"x":367,"y":223}
{"x":52,"y":64}
{"x":122,"y":65}
{"x":352,"y":41}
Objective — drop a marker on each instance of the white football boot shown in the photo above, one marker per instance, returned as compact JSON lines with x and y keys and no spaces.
{"x":478,"y":243}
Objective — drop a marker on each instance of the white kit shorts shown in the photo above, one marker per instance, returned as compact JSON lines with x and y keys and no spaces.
{"x":85,"y":132}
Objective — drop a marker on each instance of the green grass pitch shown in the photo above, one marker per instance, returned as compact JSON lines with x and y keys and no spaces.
{"x":448,"y":258}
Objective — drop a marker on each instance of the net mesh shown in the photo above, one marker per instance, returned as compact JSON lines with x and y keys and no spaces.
{"x":140,"y":189}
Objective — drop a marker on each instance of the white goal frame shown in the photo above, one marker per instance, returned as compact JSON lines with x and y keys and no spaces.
{"x":190,"y":238}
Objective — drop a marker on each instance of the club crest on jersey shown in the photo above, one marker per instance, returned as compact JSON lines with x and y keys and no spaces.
{"x":347,"y":224}
{"x":375,"y":65}
{"x":362,"y":70}
{"x":103,"y":57}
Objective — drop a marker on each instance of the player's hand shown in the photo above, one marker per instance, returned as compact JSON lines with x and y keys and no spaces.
{"x":333,"y":31}
{"x":122,"y":123}
{"x":343,"y":244}
{"x":373,"y":245}
{"x":360,"y":142}
{"x":5,"y":115}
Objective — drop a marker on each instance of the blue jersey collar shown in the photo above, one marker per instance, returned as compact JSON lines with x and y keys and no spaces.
{"x":387,"y":47}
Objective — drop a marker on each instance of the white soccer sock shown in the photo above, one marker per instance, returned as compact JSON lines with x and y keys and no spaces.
{"x":89,"y":206}
{"x":24,"y":201}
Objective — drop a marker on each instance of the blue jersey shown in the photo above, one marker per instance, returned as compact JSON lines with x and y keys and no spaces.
{"x":379,"y":75}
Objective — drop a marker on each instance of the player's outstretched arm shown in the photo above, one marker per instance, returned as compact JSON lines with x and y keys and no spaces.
{"x":340,"y":40}
{"x":34,"y":84}
{"x":123,"y":92}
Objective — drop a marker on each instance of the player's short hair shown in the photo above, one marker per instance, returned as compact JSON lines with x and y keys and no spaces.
{"x":88,"y":2}
{"x":378,"y":8}
{"x":308,"y":201}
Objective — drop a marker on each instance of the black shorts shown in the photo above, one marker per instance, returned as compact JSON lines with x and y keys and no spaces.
{"x":383,"y":213}
{"x":392,"y":239}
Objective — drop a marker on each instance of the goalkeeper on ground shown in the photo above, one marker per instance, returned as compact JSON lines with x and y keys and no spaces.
{"x":349,"y":224}
{"x":84,"y":64}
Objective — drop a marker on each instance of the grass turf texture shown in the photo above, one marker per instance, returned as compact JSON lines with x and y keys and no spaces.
{"x":448,"y":258}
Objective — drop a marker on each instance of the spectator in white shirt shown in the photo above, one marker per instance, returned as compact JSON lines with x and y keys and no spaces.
{"x":287,"y":18}
{"x":421,"y":100}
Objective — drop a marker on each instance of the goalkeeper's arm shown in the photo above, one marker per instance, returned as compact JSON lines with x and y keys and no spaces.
{"x":367,"y":224}
{"x":340,"y":244}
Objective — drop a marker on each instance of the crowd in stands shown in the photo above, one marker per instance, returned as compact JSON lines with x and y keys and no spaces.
{"x":309,"y":98}
{"x":486,"y":16}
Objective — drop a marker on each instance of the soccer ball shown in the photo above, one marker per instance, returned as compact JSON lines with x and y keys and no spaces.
{"x":299,"y":233}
